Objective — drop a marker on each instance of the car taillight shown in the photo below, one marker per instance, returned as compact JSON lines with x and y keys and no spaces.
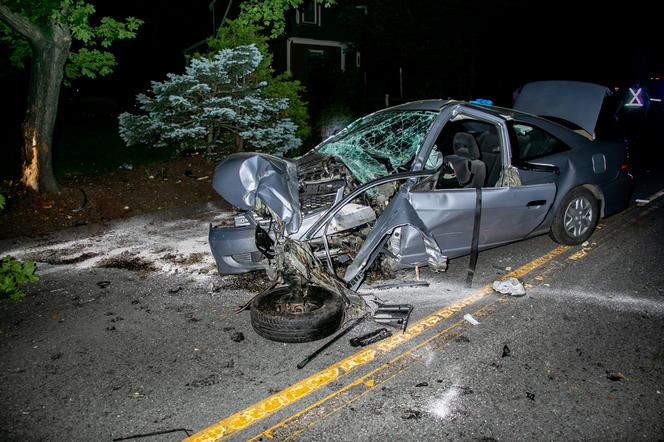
{"x":625,"y":163}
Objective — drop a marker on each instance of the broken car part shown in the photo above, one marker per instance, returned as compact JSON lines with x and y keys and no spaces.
{"x":370,"y":338}
{"x":394,"y":315}
{"x":283,"y":316}
{"x":354,"y":324}
{"x":394,"y":285}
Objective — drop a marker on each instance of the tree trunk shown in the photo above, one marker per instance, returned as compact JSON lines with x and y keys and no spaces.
{"x":239,"y":143}
{"x":48,"y":58}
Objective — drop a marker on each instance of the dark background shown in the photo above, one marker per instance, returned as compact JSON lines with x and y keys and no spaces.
{"x":456,"y":49}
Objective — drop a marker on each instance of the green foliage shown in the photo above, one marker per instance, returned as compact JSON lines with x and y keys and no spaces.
{"x":233,"y":34}
{"x":283,"y":86}
{"x":2,"y":201}
{"x":20,"y":49}
{"x":215,"y":97}
{"x":89,"y":63}
{"x":270,"y":13}
{"x":85,"y":59}
{"x":13,"y":273}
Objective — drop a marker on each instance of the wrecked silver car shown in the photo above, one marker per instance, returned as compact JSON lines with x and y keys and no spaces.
{"x":414,"y":185}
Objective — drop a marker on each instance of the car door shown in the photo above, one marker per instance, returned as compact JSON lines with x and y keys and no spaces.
{"x":508,"y":213}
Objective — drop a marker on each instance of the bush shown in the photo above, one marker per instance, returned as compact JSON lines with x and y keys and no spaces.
{"x":13,"y":273}
{"x":215,"y":97}
{"x":233,"y":34}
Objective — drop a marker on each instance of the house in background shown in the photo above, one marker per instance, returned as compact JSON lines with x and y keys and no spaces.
{"x":318,"y":52}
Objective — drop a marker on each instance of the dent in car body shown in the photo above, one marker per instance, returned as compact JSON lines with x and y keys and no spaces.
{"x":243,"y":177}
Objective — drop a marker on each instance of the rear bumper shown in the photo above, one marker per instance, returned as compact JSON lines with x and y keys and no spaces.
{"x":234,"y":249}
{"x":617,"y":193}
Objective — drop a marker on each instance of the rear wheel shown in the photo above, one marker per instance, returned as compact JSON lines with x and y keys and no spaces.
{"x":281,"y":316}
{"x":576,"y":218}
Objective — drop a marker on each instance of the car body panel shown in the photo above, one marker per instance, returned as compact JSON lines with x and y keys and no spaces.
{"x":243,"y":177}
{"x":575,"y":101}
{"x":507,"y":214}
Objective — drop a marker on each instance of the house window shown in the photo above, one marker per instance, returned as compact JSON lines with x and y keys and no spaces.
{"x":309,"y":13}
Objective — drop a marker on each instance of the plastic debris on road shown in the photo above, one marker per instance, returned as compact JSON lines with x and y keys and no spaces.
{"x":509,"y":286}
{"x":468,"y":317}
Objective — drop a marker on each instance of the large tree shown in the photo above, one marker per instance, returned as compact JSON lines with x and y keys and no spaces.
{"x":44,"y":31}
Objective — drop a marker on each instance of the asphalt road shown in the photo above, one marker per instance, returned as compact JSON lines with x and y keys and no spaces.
{"x":97,"y":352}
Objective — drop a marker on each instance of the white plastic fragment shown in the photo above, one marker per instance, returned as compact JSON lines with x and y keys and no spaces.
{"x":509,"y":286}
{"x":468,"y":317}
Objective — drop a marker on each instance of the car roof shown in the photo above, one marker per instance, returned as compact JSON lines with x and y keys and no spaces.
{"x":436,"y":105}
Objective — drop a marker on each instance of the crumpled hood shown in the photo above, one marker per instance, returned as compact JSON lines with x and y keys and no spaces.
{"x":242,"y":177}
{"x":574,"y":101}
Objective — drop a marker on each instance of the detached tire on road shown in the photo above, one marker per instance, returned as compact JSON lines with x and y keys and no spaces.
{"x":322,"y":317}
{"x":576,"y":217}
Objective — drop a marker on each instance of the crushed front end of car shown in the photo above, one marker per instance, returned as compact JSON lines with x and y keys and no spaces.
{"x":322,"y":220}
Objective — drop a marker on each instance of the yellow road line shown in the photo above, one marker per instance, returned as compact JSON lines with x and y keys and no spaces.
{"x":345,"y":396}
{"x":301,"y":389}
{"x":334,"y":402}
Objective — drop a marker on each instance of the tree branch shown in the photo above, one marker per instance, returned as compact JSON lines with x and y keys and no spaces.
{"x":20,"y":24}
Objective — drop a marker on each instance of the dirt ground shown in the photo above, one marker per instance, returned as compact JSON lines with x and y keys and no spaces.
{"x":98,"y":198}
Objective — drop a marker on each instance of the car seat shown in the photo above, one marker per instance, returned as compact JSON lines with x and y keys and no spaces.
{"x":491,"y":155}
{"x":469,"y":169}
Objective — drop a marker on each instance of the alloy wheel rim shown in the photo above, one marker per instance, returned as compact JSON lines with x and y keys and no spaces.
{"x":578,"y":217}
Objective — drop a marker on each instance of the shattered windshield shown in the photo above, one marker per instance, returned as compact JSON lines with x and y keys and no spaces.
{"x":379,"y":144}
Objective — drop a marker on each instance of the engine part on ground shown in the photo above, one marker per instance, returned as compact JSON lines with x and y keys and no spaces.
{"x":308,"y":359}
{"x":397,"y":284}
{"x":284,"y":316}
{"x":370,"y":338}
{"x":394,"y":315}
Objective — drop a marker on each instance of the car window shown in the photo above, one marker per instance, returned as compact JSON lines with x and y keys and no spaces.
{"x":487,"y":147}
{"x":380,"y":144}
{"x":533,"y":142}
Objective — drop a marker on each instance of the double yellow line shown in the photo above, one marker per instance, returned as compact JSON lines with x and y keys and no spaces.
{"x":296,"y":423}
{"x":261,"y":410}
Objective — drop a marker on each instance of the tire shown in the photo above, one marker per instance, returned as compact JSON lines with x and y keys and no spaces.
{"x":576,"y":217}
{"x":324,"y":318}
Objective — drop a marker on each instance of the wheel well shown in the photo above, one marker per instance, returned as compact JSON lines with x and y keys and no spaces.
{"x":599,"y":196}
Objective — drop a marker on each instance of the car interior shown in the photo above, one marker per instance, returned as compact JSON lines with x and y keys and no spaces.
{"x":472,"y":155}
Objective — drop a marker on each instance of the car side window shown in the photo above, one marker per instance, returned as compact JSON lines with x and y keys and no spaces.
{"x":533,"y":142}
{"x":486,"y":155}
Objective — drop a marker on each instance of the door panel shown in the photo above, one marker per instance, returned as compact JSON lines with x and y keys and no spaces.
{"x":508,"y":214}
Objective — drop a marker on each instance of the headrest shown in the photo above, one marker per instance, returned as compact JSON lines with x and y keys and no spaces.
{"x":464,"y":145}
{"x":489,"y":141}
